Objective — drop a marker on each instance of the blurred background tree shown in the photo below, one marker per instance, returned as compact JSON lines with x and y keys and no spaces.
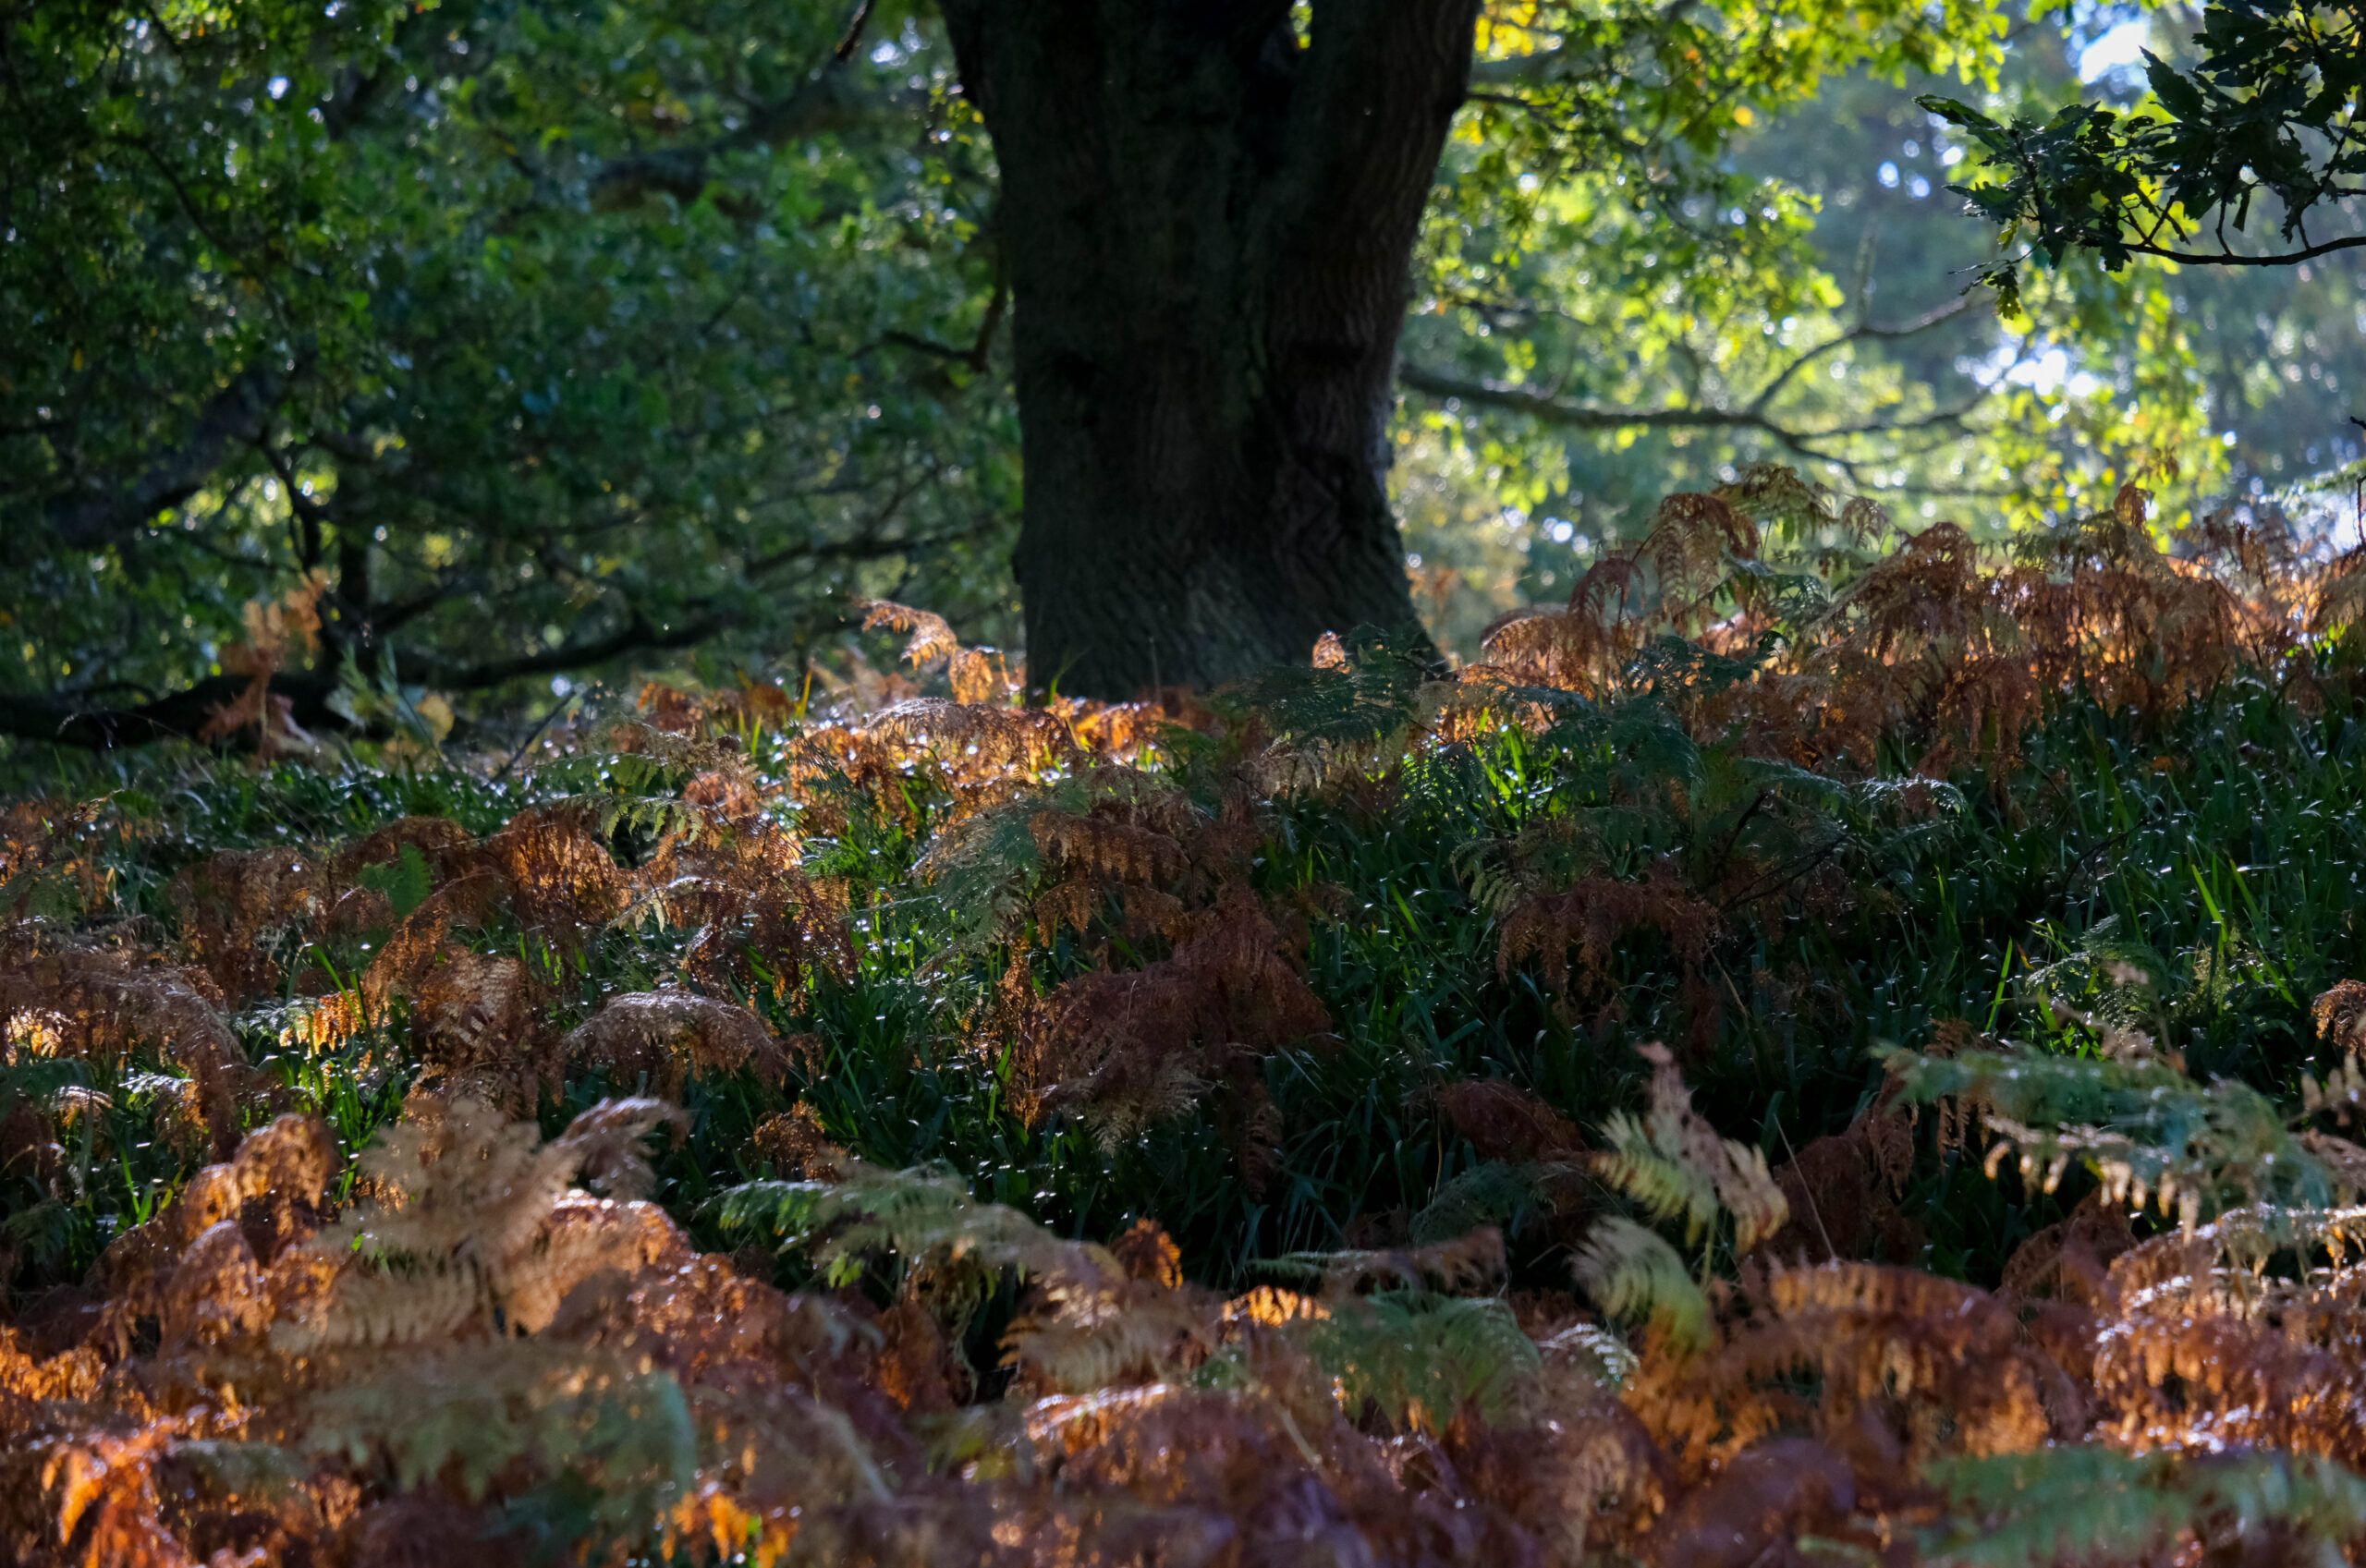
{"x":543,"y":341}
{"x":1826,"y":288}
{"x":553,"y":337}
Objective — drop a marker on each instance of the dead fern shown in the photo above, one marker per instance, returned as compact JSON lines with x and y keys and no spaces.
{"x":654,"y":1040}
{"x":1128,"y":1048}
{"x":58,"y":1000}
{"x":470,"y":1225}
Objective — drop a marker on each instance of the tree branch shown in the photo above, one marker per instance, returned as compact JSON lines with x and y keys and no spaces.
{"x":1543,"y":406}
{"x":1864,"y":332}
{"x":1517,"y":70}
{"x":65,"y":721}
{"x":974,"y":357}
{"x":638,"y":635}
{"x":73,"y":720}
{"x":232,"y":418}
{"x":1751,"y":415}
{"x":828,"y":100}
{"x":2235,"y":258}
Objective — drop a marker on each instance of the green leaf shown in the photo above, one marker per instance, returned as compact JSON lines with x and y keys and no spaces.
{"x":2178,"y":95}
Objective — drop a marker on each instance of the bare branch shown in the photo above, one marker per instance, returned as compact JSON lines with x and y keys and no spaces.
{"x":979,"y":351}
{"x":1517,"y":70}
{"x":638,"y":635}
{"x":1543,"y":406}
{"x":1865,"y":332}
{"x":2230,"y":257}
{"x":1537,"y":403}
{"x":1751,"y":415}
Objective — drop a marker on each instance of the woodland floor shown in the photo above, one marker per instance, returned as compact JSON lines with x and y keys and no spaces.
{"x":1293,"y":1129}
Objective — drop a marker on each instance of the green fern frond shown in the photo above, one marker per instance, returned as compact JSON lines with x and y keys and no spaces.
{"x":1103,"y":1334}
{"x":457,"y":1228}
{"x":40,"y":1080}
{"x":782,"y":1209}
{"x":1673,"y":1163}
{"x":1626,"y":750}
{"x":1416,"y":1359}
{"x":1603,"y":1355}
{"x":249,"y":1469}
{"x":2092,"y":1505}
{"x":2148,"y":1132}
{"x":1664,"y":1184}
{"x":1410,"y":1360}
{"x":406,"y":880}
{"x":641,"y":817}
{"x":979,"y":869}
{"x":1635,"y":1274}
{"x":1491,"y":1193}
{"x":1373,"y":695}
{"x":1671,"y":666}
{"x":1789,"y":597}
{"x":591,"y":776}
{"x":472,"y":1417}
{"x":1460,"y":1262}
{"x":918,"y":1216}
{"x":1493,"y":890}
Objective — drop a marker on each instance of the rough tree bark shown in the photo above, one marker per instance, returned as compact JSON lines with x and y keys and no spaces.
{"x":1208,"y":224}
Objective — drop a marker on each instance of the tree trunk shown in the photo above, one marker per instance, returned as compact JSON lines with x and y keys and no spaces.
{"x":1208,"y":224}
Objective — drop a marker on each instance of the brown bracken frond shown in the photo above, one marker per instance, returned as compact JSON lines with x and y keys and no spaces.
{"x":401,"y":1358}
{"x":1590,"y":918}
{"x":2340,"y":1015}
{"x":1126,"y":1049}
{"x":654,"y":1039}
{"x":103,"y":1005}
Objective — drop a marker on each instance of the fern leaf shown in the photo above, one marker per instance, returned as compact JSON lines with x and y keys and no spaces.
{"x":1635,"y":1274}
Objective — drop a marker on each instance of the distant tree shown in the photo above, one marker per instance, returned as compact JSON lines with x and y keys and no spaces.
{"x":547,"y":338}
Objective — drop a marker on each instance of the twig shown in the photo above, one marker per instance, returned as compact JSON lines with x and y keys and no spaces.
{"x":534,"y":735}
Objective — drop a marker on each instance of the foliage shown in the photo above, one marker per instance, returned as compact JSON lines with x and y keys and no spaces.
{"x":2066,"y":1506}
{"x":2149,"y":1133}
{"x":2269,"y":110}
{"x":443,"y":304}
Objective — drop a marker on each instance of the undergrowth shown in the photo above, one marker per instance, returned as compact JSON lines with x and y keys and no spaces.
{"x":1831,"y":1046}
